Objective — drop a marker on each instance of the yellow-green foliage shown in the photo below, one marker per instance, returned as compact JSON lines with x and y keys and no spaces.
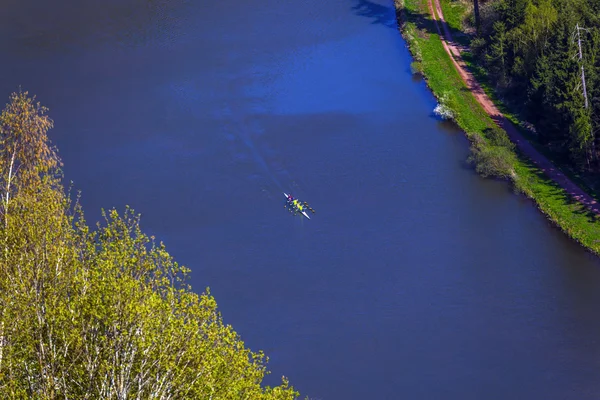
{"x":102,"y":314}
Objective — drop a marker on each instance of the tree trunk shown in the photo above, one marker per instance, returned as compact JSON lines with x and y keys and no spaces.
{"x":8,"y":182}
{"x":477,"y":18}
{"x":1,"y":342}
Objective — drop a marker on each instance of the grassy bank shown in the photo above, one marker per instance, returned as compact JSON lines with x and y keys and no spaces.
{"x":455,"y":12}
{"x":493,"y":154}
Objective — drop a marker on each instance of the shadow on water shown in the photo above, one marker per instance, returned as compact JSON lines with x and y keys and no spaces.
{"x":51,"y":26}
{"x":448,"y":126}
{"x":389,"y":16}
{"x":381,"y":15}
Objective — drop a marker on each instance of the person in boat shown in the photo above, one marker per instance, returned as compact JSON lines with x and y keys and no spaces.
{"x":290,"y":198}
{"x":295,"y":202}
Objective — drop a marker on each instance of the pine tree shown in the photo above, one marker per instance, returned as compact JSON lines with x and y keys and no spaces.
{"x":497,"y":56}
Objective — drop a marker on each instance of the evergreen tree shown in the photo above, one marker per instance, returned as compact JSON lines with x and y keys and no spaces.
{"x":497,"y":56}
{"x":531,"y":52}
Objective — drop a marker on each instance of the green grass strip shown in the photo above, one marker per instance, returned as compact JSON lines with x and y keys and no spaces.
{"x":442,"y":78}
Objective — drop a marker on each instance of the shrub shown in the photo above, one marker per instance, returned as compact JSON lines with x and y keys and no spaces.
{"x":492,"y":160}
{"x":444,"y":108}
{"x":498,"y":137}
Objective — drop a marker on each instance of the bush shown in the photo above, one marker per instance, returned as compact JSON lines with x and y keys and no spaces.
{"x":410,"y":33}
{"x":444,"y":108}
{"x":492,"y":160}
{"x":416,"y":68}
{"x":498,"y":137}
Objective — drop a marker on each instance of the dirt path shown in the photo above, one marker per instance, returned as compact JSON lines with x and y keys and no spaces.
{"x":524,"y":146}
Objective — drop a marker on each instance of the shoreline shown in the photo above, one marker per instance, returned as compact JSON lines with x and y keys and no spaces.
{"x":564,"y":203}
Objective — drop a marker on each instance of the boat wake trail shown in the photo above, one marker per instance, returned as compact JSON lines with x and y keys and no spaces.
{"x":243,"y":128}
{"x":245,"y":137}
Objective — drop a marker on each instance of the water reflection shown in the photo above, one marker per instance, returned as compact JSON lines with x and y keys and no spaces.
{"x":449,"y":127}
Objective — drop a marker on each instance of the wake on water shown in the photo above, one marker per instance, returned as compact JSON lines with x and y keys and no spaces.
{"x":243,"y":126}
{"x":242,"y":132}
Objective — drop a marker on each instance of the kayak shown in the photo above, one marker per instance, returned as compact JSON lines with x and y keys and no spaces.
{"x":295,"y":208}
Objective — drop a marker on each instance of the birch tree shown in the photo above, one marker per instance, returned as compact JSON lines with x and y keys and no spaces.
{"x":102,"y":313}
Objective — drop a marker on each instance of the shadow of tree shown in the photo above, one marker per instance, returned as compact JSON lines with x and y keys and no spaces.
{"x":381,"y":15}
{"x":557,"y":193}
{"x":421,"y":20}
{"x":391,"y":17}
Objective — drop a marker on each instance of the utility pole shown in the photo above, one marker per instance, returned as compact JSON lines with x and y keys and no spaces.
{"x":581,"y":61}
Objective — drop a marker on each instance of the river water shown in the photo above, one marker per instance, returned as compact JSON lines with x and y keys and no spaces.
{"x":415,"y":278}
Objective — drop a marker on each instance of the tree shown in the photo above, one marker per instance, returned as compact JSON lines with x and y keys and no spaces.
{"x":497,"y":55}
{"x":477,"y":16}
{"x":104,"y":313}
{"x":25,"y":153}
{"x":529,"y":52}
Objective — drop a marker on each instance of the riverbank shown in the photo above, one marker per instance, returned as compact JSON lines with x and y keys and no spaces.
{"x":556,"y":196}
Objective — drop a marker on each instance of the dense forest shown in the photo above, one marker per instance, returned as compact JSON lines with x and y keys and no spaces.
{"x":530,"y":49}
{"x":101,"y":313}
